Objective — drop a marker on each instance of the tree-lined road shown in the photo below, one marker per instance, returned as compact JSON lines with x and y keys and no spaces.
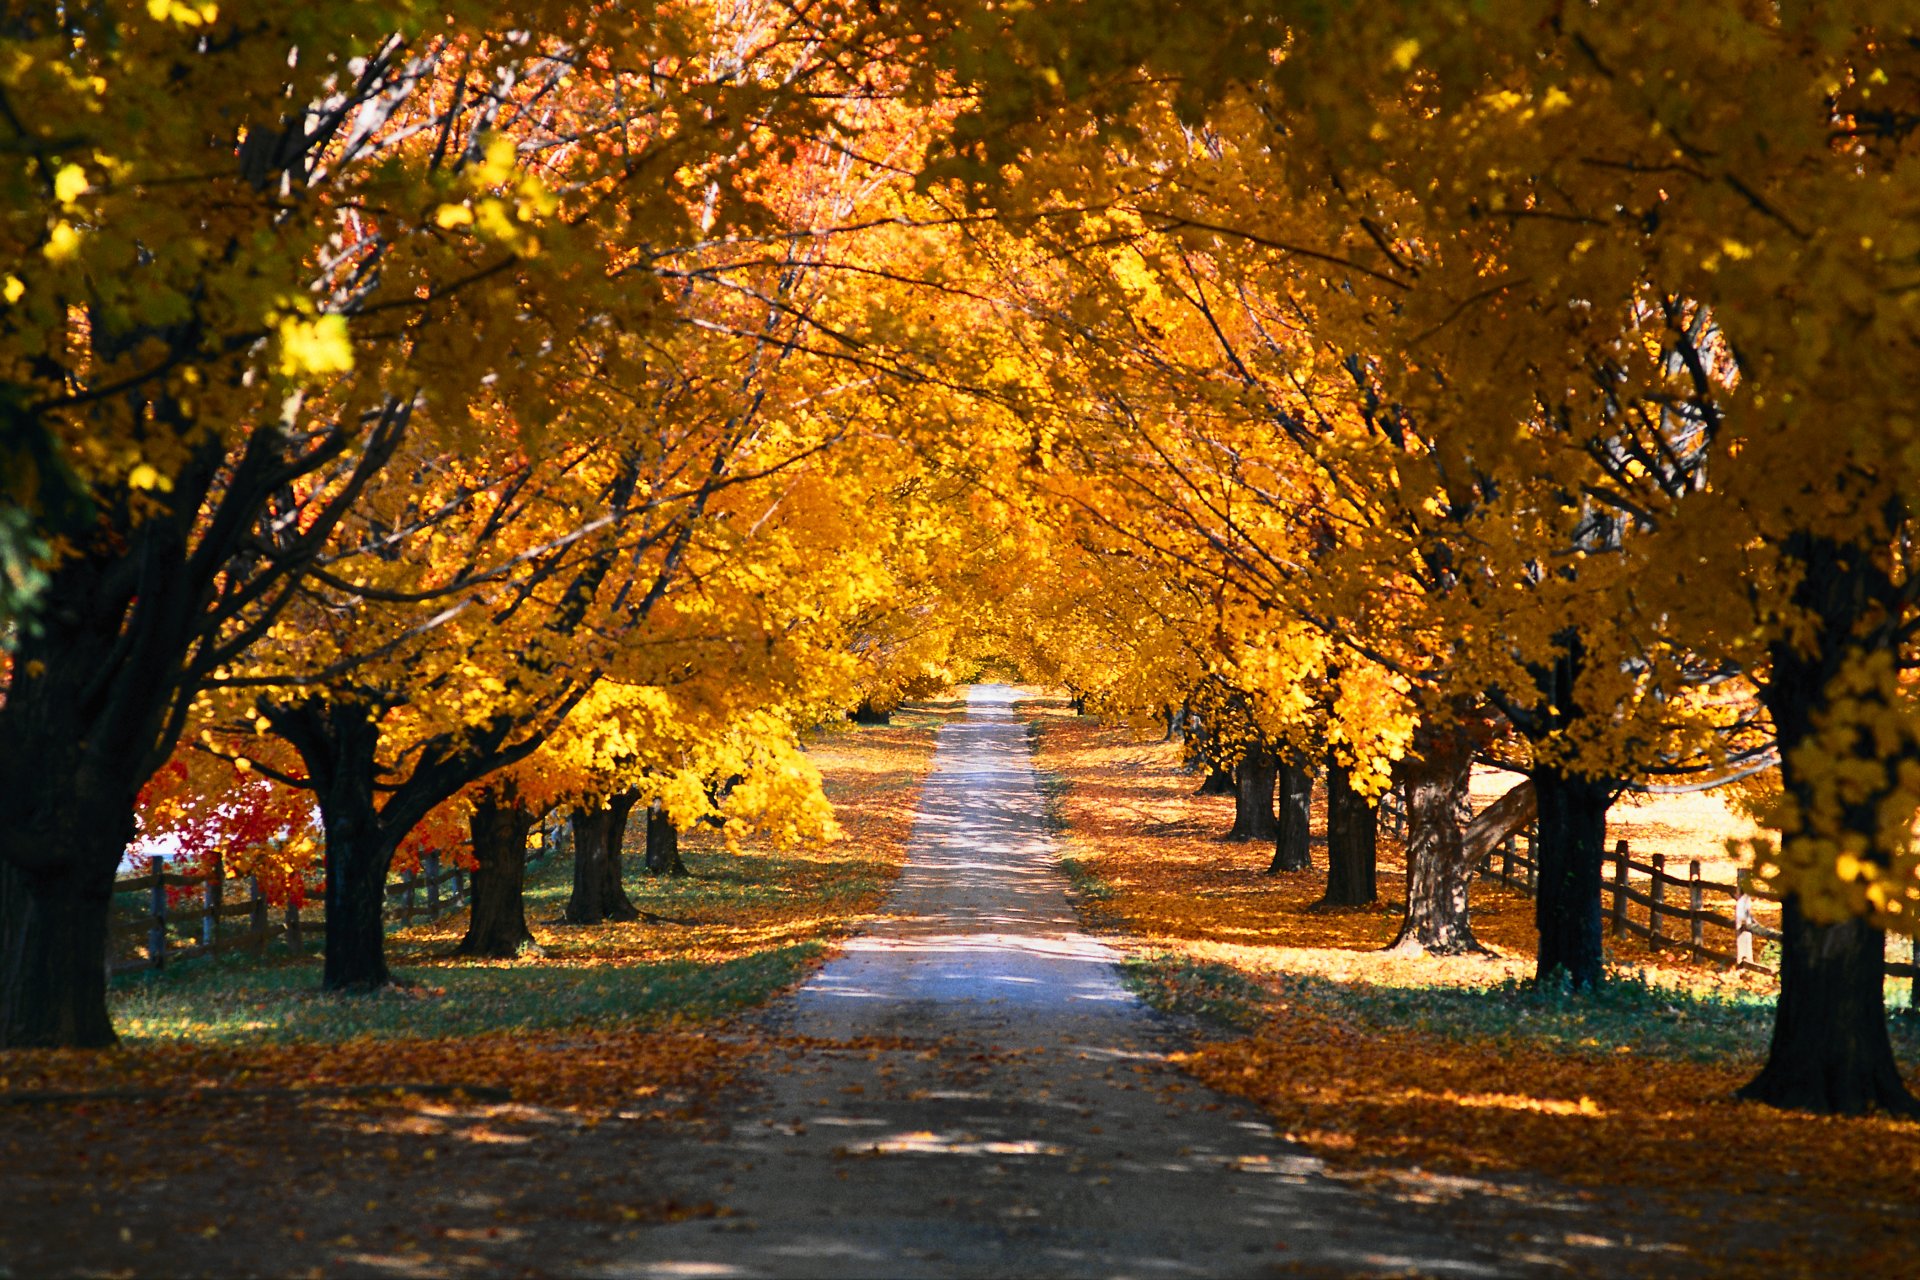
{"x":1002,"y":1105}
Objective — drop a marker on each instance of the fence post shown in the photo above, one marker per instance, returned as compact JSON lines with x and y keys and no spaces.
{"x":431,"y":864}
{"x":1506,"y":859}
{"x":1659,"y":895}
{"x":1620,"y":858}
{"x":1533,"y":866}
{"x":1743,"y":919}
{"x":459,"y":887}
{"x":1913,"y":981}
{"x":157,"y":927}
{"x":409,"y":881}
{"x":1696,"y":902}
{"x":212,"y":894}
{"x":257,"y":917}
{"x":293,"y":926}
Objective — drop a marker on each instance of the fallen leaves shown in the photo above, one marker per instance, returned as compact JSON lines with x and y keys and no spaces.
{"x":1500,"y":1086}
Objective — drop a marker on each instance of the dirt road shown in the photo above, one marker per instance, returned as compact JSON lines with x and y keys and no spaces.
{"x":999,"y":1104}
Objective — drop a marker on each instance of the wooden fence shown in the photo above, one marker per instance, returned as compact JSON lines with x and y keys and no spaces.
{"x":1678,"y":921}
{"x":416,"y":896}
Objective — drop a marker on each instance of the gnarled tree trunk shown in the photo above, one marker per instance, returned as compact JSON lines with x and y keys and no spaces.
{"x":1439,"y":864}
{"x":1352,"y":839}
{"x":497,"y":921}
{"x":1293,"y":833}
{"x":1253,"y":782}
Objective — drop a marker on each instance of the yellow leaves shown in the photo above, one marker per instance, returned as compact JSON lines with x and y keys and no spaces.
{"x":497,"y":162}
{"x":69,"y":184}
{"x":63,"y":243}
{"x":12,"y":289}
{"x":449,"y":216}
{"x":1404,"y":53}
{"x":313,"y":347}
{"x":183,"y":12}
{"x":145,"y":477}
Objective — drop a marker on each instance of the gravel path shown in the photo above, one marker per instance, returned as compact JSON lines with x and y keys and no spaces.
{"x":997,"y":1104}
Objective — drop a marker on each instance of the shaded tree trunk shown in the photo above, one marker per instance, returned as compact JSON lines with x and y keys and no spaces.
{"x":663,"y":844}
{"x":53,"y":946}
{"x":1571,"y":850}
{"x":1218,"y":782}
{"x":1253,"y":783}
{"x":598,"y":892}
{"x":1352,"y":836}
{"x":867,"y":713}
{"x":497,"y":921}
{"x":1292,"y":837}
{"x":338,"y":740}
{"x":1830,"y":1050}
{"x":1439,"y":864}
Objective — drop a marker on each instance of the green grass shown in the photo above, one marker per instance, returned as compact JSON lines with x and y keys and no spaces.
{"x":223,"y":1002}
{"x":276,"y":998}
{"x":1176,"y":984}
{"x":1626,"y":1013}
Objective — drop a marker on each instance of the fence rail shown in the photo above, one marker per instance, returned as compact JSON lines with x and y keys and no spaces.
{"x":1689,"y":907}
{"x":414,"y":897}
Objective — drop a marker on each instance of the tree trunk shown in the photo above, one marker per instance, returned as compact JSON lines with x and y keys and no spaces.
{"x":338,"y":739}
{"x":1218,"y":782}
{"x":663,"y":844}
{"x":1352,"y":830}
{"x":1253,"y":782}
{"x":1293,"y":833}
{"x":619,"y":905}
{"x":1439,"y":865}
{"x":867,"y":713}
{"x":1571,"y":851}
{"x":53,"y":947}
{"x":497,"y":921}
{"x":1830,"y":1051}
{"x":358,"y":859}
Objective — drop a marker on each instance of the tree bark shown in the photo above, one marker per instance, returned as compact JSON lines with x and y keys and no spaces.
{"x":598,"y":892}
{"x":663,"y":844}
{"x":1439,"y":864}
{"x":1253,"y":783}
{"x":1218,"y":782}
{"x":1830,"y":1051}
{"x":338,"y":740}
{"x":867,"y":713}
{"x":497,"y":921}
{"x":620,"y":906}
{"x":338,"y":737}
{"x":1352,"y":834}
{"x":1571,"y":851}
{"x":1293,"y":833}
{"x":53,"y":946}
